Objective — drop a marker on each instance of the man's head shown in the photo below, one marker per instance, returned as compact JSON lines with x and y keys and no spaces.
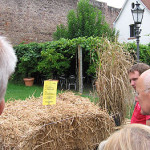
{"x":143,"y":92}
{"x":8,"y":61}
{"x":135,"y":71}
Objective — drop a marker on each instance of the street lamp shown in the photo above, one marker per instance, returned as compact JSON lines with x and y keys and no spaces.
{"x":137,"y":14}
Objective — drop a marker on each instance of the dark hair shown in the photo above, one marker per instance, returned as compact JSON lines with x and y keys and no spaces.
{"x":140,"y":67}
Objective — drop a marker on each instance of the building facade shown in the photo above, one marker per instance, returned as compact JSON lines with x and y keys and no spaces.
{"x":125,"y":25}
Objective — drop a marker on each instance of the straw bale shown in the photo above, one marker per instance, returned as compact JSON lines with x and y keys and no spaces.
{"x":73,"y":123}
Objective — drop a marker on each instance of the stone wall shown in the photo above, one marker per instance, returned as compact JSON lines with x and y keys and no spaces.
{"x":36,"y":20}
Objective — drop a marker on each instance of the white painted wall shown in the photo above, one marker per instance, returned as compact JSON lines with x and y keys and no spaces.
{"x":125,"y":19}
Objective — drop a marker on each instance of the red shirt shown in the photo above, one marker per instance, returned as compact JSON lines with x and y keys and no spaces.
{"x":137,"y":117}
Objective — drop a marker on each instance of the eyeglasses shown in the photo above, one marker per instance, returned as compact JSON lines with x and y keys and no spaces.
{"x":137,"y":94}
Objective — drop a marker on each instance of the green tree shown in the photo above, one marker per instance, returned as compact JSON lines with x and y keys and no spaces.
{"x":86,"y":21}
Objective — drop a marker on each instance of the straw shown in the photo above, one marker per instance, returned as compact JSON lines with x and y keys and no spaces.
{"x":73,"y":123}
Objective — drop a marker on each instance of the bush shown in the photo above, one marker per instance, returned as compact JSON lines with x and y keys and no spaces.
{"x":51,"y":59}
{"x":60,"y":57}
{"x":28,"y":56}
{"x":144,"y":51}
{"x":56,"y":58}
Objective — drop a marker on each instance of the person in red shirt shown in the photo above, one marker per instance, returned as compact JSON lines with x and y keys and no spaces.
{"x":8,"y":61}
{"x":134,"y":72}
{"x":137,"y":117}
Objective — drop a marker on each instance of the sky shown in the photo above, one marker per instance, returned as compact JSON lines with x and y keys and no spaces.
{"x":114,"y":3}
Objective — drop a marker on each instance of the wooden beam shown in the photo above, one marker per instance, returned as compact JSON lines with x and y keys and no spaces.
{"x":80,"y":76}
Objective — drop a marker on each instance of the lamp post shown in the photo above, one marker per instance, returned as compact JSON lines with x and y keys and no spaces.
{"x":137,"y":14}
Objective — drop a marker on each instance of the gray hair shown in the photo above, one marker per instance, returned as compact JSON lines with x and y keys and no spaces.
{"x":8,"y":62}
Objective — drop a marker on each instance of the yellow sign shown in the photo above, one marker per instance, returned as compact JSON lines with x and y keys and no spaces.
{"x":49,"y":92}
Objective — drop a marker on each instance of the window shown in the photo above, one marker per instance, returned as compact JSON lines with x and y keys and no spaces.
{"x":132,"y":31}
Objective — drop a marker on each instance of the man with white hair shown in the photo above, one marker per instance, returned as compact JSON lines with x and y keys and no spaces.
{"x":8,"y":61}
{"x":143,"y":92}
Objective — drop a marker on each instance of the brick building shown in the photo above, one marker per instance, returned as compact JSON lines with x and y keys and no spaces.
{"x":36,"y":20}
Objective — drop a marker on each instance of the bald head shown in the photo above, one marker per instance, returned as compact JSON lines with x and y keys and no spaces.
{"x":143,"y":90}
{"x":144,"y":79}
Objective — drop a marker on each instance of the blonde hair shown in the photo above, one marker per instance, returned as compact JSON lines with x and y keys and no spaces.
{"x":131,"y":137}
{"x":8,"y":61}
